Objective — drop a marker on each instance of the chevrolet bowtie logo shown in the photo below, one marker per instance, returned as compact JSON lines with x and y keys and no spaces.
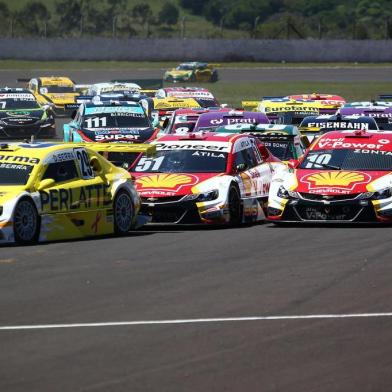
{"x":152,"y":199}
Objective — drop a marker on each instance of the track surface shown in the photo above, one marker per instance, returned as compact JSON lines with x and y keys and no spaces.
{"x":176,"y":273}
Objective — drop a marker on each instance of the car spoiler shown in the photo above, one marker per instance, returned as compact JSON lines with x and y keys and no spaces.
{"x":81,"y":88}
{"x":71,"y":106}
{"x":250,"y":105}
{"x":385,"y":97}
{"x":143,"y":83}
{"x":309,"y":129}
{"x":23,"y":80}
{"x":148,"y":149}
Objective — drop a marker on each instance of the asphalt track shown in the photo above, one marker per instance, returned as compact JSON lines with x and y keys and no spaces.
{"x":222,"y":276}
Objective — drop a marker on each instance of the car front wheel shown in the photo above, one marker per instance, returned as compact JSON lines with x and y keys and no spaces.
{"x":123,"y":213}
{"x":26,"y":222}
{"x":234,"y":206}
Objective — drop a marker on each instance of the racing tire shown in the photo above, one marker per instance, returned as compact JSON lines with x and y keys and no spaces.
{"x":123,"y":212}
{"x":235,"y":210}
{"x":26,"y":222}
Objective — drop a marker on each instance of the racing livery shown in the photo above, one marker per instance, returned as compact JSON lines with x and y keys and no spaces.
{"x":283,"y":141}
{"x":22,"y":117}
{"x":57,"y":91}
{"x":58,"y":191}
{"x":205,"y":178}
{"x":313,"y":126}
{"x":344,"y":177}
{"x":381,"y":111}
{"x":285,"y":110}
{"x":111,"y":121}
{"x":204,"y":97}
{"x":217,"y":118}
{"x":328,"y":99}
{"x":192,"y":72}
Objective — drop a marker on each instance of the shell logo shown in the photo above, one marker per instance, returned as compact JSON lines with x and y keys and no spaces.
{"x":166,"y":181}
{"x":338,"y":179}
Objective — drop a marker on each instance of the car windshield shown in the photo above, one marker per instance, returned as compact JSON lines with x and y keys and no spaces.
{"x":58,"y":89}
{"x":183,"y":161}
{"x":116,"y":120}
{"x":19,"y":103}
{"x":348,"y":159}
{"x":282,"y":150}
{"x":184,"y":67}
{"x":207,"y":102}
{"x":184,"y":127}
{"x":14,"y":174}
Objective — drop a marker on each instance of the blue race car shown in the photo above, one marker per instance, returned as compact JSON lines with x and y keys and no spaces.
{"x":109,"y":121}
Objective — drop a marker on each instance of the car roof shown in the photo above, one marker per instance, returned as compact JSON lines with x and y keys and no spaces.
{"x":56,"y":80}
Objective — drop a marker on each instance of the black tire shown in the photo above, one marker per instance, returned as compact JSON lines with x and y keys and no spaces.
{"x":214,"y":77}
{"x":123,"y":212}
{"x":235,"y":209}
{"x":26,"y":222}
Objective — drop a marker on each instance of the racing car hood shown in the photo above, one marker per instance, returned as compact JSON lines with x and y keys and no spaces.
{"x":139,"y":135}
{"x":19,"y":117}
{"x":169,"y":184}
{"x":61,"y":98}
{"x":337,"y":182}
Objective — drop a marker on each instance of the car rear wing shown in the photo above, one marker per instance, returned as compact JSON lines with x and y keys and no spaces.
{"x":145,"y":84}
{"x":385,"y":97}
{"x":311,"y":130}
{"x":148,"y":149}
{"x":23,"y":80}
{"x":71,"y":106}
{"x":250,"y":105}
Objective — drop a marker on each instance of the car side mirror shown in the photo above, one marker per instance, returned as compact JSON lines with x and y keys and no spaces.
{"x":165,"y":123}
{"x":292,"y":163}
{"x":96,"y":166}
{"x":240,"y":167}
{"x":47,"y":183}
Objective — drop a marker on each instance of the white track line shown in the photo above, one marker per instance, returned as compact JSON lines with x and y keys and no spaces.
{"x":195,"y":321}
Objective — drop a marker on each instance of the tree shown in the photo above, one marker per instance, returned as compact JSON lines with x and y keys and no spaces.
{"x":169,"y":14}
{"x":194,"y":6}
{"x":142,"y":11}
{"x":33,"y":17}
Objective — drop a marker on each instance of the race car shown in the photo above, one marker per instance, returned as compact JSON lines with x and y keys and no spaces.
{"x":184,"y":120}
{"x":381,"y":111}
{"x":204,"y":97}
{"x":217,"y":118}
{"x":283,"y":110}
{"x":205,"y":178}
{"x":61,"y":191}
{"x":313,"y":126}
{"x":344,"y":177}
{"x":192,"y":72}
{"x":328,"y":99}
{"x":283,"y":141}
{"x":57,"y":91}
{"x":158,"y":109}
{"x":110,"y":121}
{"x":22,"y":117}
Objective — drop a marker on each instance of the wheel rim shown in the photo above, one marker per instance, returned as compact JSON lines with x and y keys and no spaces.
{"x":123,"y":212}
{"x":25,"y":221}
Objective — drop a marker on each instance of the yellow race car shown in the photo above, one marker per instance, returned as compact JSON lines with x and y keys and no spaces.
{"x":62,"y":191}
{"x":284,"y":110}
{"x":192,"y":72}
{"x":56,"y":91}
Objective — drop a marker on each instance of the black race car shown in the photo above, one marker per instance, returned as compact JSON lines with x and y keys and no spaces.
{"x":21,"y":116}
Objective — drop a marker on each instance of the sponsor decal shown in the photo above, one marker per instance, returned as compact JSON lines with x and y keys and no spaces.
{"x":335,"y":181}
{"x":76,"y":198}
{"x":164,"y":181}
{"x":339,"y":125}
{"x":18,"y":158}
{"x":344,"y":143}
{"x":209,"y":146}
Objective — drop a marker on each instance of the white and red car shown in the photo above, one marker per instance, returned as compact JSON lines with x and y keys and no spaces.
{"x":345,"y":176}
{"x":205,"y":178}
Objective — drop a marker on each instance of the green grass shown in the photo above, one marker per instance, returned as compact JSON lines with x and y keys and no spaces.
{"x":80,"y":65}
{"x":234,"y":93}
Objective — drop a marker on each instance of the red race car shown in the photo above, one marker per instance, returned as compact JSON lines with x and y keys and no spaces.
{"x":344,"y":177}
{"x":205,"y":178}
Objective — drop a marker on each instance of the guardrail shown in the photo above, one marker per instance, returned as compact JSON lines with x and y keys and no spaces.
{"x":292,"y":50}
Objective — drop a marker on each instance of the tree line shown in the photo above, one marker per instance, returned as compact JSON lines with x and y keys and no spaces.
{"x":358,"y":19}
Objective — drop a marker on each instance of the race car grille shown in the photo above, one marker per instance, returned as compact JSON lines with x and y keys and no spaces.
{"x":184,"y":213}
{"x":169,"y":199}
{"x":330,"y":198}
{"x":328,"y":212}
